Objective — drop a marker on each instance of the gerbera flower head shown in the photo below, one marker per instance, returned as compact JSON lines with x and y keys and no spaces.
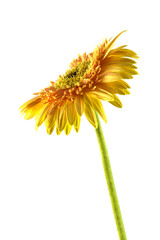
{"x":91,"y":78}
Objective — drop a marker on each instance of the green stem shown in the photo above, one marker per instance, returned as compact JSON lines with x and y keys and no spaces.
{"x":110,"y":181}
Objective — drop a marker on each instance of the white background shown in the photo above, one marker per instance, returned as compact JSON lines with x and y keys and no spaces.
{"x":53,"y":187}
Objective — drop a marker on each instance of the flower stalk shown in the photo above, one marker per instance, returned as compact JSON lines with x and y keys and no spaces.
{"x":110,"y":181}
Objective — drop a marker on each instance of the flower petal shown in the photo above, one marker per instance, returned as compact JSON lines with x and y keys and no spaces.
{"x":102,"y":94}
{"x":67,"y":128}
{"x":30,"y":113}
{"x":108,"y":76}
{"x":62,"y":118}
{"x":120,"y":61}
{"x":119,"y":84}
{"x":58,"y":131}
{"x":50,"y":130}
{"x":77,"y":123}
{"x":89,"y":112}
{"x":98,"y":107}
{"x":122,"y":91}
{"x":79,"y":104}
{"x":42,"y":115}
{"x":51,"y":118}
{"x":30,"y":103}
{"x":110,"y":44}
{"x":130,"y":70}
{"x":116,"y":102}
{"x":71,"y":112}
{"x":124,"y":52}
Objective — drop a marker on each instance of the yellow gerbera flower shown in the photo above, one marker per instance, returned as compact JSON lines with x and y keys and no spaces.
{"x":91,"y":78}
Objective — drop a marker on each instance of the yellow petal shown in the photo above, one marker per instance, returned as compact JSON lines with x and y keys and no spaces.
{"x":98,"y":107}
{"x":62,"y":119}
{"x":130,"y":70}
{"x":77,"y":123}
{"x":119,"y":84}
{"x":58,"y":131}
{"x":110,"y":44}
{"x":102,"y":94}
{"x":50,"y":119}
{"x":42,"y":115}
{"x":126,"y":75}
{"x":109,"y":76}
{"x":119,"y":61}
{"x":33,"y":101}
{"x":109,"y":89}
{"x":118,"y":48}
{"x":114,"y":73}
{"x":124,"y":52}
{"x":89,"y":112}
{"x":50,"y":130}
{"x":67,"y":128}
{"x":123,"y":91}
{"x":30,"y":113}
{"x":79,"y":104}
{"x":71,"y":112}
{"x":116,"y":102}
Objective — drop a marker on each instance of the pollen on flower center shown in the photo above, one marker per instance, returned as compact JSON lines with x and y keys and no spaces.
{"x":72,"y":76}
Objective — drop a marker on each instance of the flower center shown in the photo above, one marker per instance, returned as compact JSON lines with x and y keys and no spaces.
{"x":72,"y":76}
